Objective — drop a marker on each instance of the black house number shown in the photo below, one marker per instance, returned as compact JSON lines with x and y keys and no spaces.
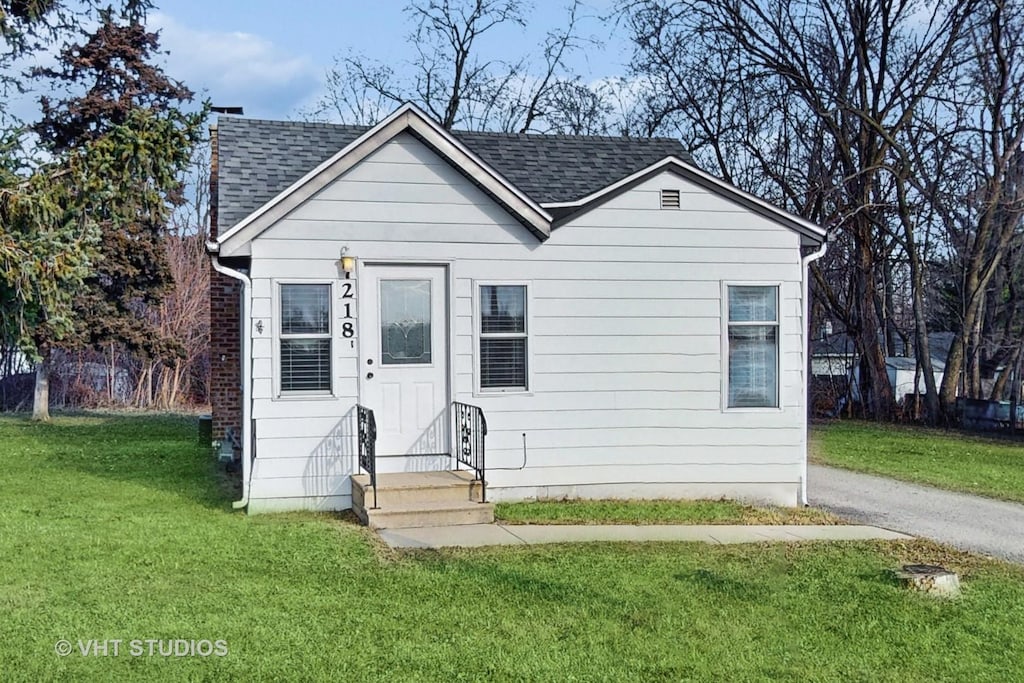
{"x":348,"y":330}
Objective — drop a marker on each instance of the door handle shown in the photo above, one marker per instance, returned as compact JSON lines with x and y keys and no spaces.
{"x":369,"y":375}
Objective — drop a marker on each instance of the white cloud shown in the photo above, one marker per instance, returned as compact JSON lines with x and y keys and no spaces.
{"x":236,"y":69}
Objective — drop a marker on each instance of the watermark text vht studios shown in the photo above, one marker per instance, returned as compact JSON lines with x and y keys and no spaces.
{"x":141,"y":647}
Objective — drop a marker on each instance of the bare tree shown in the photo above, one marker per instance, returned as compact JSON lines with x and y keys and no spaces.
{"x":454,"y":81}
{"x":981,"y":198}
{"x":183,"y":315}
{"x":808,"y":103}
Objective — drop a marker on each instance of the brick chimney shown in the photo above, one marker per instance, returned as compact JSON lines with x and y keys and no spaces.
{"x":225,"y":325}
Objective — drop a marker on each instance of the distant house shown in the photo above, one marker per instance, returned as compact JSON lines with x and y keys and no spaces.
{"x":835,"y":375}
{"x":626,"y":324}
{"x":902,"y":373}
{"x":832,"y":354}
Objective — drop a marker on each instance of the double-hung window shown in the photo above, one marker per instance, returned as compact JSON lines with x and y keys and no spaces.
{"x":503,"y":338}
{"x":753,"y":361}
{"x":305,"y":339}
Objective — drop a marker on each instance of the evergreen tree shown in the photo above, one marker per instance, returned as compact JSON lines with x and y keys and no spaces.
{"x":47,"y":237}
{"x":129,"y":114}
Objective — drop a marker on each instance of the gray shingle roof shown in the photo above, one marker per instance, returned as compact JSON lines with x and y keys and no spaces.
{"x":905,"y":363}
{"x":564,"y":168}
{"x":258,"y":159}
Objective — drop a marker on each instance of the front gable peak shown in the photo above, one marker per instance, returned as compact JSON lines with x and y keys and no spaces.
{"x":408,"y":118}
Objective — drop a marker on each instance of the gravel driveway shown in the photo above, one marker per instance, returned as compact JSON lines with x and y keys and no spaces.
{"x":981,"y":525}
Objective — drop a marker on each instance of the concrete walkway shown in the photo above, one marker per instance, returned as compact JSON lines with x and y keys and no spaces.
{"x":476,"y":535}
{"x":971,"y":523}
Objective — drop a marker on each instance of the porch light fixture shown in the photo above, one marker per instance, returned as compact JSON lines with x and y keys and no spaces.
{"x":347,"y":263}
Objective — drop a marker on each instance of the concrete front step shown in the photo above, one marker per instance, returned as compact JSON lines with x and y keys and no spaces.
{"x":420,"y":499}
{"x":407,"y":488}
{"x":427,"y":515}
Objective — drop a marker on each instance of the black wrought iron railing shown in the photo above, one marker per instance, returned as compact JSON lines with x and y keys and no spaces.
{"x":470,"y":430}
{"x":368,"y":446}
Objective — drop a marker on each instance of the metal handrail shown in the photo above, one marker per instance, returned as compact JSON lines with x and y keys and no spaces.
{"x":368,"y":446}
{"x":469,"y":431}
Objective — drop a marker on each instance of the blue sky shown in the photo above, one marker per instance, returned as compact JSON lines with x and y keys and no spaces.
{"x":270,"y":58}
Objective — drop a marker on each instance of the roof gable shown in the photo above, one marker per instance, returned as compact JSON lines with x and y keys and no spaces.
{"x":811,"y":234}
{"x":406,"y":118}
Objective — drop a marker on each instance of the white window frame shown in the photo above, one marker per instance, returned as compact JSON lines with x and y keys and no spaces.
{"x":479,"y":390}
{"x":276,"y":321}
{"x":726,"y":284}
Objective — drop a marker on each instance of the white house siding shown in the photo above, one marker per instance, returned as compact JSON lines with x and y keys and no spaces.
{"x":625,"y":337}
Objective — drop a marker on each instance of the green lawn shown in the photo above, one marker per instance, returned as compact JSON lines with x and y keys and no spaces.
{"x":950,"y":460}
{"x":655,"y":512}
{"x":118,"y":528}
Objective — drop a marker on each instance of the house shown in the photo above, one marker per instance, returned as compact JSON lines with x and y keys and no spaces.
{"x":835,"y":375}
{"x":832,"y":354}
{"x":902,"y":372}
{"x":625,"y":324}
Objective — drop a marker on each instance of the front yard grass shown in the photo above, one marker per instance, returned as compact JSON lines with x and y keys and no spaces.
{"x":949,"y":460}
{"x":117,"y":527}
{"x":655,"y":512}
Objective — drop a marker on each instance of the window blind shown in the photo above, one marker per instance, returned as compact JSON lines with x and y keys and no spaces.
{"x":503,"y":337}
{"x":305,"y":344}
{"x":305,"y":365}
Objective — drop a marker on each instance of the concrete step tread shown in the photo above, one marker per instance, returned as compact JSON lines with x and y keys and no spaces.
{"x":430,"y":506}
{"x":428,"y":515}
{"x":415,"y":480}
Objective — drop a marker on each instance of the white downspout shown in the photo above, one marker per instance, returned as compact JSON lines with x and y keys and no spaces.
{"x":246,"y":376}
{"x":805,"y":264}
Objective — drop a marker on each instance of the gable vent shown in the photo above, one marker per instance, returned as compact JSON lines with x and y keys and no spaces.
{"x":670,"y":199}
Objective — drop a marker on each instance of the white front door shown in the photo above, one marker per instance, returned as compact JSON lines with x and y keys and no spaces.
{"x":404,"y":363}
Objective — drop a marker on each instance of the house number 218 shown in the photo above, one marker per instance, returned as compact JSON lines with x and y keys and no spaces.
{"x":348,"y":330}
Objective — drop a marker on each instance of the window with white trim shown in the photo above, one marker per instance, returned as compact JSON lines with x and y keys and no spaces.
{"x":503,"y":338}
{"x":305,"y":338}
{"x":753,"y":372}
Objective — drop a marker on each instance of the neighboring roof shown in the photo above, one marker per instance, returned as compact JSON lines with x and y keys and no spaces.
{"x":905,"y":363}
{"x":840,"y":343}
{"x":258,"y":159}
{"x":939,"y":344}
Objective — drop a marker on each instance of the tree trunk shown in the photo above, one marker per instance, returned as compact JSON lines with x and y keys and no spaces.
{"x":1015,"y":395}
{"x":951,"y":376}
{"x":975,"y":351}
{"x":923,"y":345}
{"x":1001,"y":383}
{"x":41,"y":403}
{"x":876,"y":393}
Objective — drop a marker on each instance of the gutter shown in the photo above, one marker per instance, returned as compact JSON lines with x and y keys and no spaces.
{"x":805,"y":263}
{"x":246,"y":373}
